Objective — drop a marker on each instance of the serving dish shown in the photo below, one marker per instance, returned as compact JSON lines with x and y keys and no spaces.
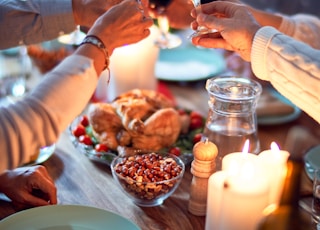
{"x":281,"y":118}
{"x":62,"y":217}
{"x":182,"y":147}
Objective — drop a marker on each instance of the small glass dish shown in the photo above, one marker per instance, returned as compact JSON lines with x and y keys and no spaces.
{"x":148,"y":179}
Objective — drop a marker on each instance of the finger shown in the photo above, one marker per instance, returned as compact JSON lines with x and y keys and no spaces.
{"x":47,"y":191}
{"x":43,"y":171}
{"x":222,"y":8}
{"x":193,"y":13}
{"x":44,"y":184}
{"x":32,"y":200}
{"x":208,"y":42}
{"x":194,"y":25}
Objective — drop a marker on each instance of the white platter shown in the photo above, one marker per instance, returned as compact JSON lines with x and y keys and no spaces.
{"x":66,"y":217}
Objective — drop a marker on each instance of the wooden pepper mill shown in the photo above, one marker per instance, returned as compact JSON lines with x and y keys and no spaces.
{"x":202,"y":167}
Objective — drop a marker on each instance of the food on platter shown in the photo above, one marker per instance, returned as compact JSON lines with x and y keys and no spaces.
{"x":150,"y":124}
{"x":141,"y":119}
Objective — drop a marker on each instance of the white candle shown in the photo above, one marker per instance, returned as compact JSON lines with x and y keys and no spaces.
{"x":214,"y":200}
{"x":133,"y":66}
{"x":276,"y":163}
{"x":238,"y":194}
{"x":231,"y":162}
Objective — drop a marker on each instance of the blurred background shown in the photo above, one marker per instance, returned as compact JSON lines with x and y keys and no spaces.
{"x":287,"y":6}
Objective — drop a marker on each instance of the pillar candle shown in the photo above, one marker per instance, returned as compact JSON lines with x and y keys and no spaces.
{"x":133,"y":66}
{"x":238,"y":194}
{"x":276,"y":163}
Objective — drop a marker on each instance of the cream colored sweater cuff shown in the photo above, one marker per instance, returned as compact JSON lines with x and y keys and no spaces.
{"x":259,"y":49}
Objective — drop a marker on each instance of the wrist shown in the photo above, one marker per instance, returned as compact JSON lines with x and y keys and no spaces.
{"x":98,"y":43}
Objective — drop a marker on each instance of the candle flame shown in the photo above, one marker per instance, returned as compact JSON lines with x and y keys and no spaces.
{"x":274,"y":147}
{"x":246,"y":147}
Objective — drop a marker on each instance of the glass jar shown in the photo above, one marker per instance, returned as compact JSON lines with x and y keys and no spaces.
{"x":232,"y":114}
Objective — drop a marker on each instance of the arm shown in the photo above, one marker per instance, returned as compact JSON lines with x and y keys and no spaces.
{"x":34,"y":21}
{"x":291,"y":66}
{"x":41,"y":116}
{"x":27,"y":22}
{"x":303,"y":27}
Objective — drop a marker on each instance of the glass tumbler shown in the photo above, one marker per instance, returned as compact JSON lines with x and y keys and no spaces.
{"x":232,"y":114}
{"x":316,"y":197}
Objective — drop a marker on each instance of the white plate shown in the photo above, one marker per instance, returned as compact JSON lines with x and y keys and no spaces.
{"x":312,"y":161}
{"x":189,"y":63}
{"x":66,"y":217}
{"x":275,"y":120}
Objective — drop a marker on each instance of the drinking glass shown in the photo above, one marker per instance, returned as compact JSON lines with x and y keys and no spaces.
{"x":316,"y":197}
{"x":166,"y":40}
{"x":201,"y":29}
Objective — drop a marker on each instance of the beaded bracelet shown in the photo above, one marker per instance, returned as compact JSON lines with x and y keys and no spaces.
{"x":94,"y":40}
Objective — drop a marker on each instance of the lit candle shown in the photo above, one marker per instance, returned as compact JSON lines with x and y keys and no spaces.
{"x":133,"y":66}
{"x":276,"y":163}
{"x":231,"y":162}
{"x":238,"y":194}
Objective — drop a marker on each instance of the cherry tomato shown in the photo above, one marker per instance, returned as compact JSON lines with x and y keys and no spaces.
{"x":194,"y":114}
{"x":101,"y":147}
{"x":85,"y":139}
{"x":196,"y":122}
{"x":84,"y":121}
{"x":79,"y":131}
{"x":197,"y":138}
{"x":175,"y":151}
{"x":181,"y":112}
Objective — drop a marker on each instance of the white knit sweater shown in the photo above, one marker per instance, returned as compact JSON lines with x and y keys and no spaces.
{"x":292,"y":66}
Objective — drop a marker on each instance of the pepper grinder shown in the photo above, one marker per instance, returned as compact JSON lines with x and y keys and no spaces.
{"x":202,"y":167}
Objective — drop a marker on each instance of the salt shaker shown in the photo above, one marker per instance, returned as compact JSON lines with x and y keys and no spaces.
{"x":202,"y":167}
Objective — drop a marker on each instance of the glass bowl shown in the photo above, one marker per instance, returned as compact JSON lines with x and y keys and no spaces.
{"x":148,"y":179}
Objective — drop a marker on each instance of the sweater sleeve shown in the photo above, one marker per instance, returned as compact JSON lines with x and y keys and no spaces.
{"x":291,"y":66}
{"x":39,"y":118}
{"x":34,"y":21}
{"x":303,"y":27}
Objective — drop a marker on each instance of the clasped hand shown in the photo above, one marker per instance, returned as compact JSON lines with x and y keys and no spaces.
{"x":28,"y":187}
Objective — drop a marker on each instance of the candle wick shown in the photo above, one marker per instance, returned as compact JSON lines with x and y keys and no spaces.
{"x":225,"y":184}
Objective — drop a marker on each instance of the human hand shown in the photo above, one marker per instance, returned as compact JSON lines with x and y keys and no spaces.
{"x":28,"y":187}
{"x":235,"y":24}
{"x":125,"y":23}
{"x":86,"y":12}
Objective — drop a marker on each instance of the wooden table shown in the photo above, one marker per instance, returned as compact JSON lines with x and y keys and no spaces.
{"x":81,"y":181}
